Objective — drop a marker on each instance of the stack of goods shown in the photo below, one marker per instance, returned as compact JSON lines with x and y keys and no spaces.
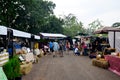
{"x":4,"y":57}
{"x":27,"y":58}
{"x":36,"y":53}
{"x":118,"y":55}
{"x":25,"y":68}
{"x":41,"y":53}
{"x":24,"y":50}
{"x":115,"y":54}
{"x":109,"y":50}
{"x":100,"y":63}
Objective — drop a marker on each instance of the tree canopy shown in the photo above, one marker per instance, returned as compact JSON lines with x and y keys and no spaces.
{"x":96,"y":24}
{"x":33,"y":16}
{"x":117,"y":24}
{"x":71,"y":25}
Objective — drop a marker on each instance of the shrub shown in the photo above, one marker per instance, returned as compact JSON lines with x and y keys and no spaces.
{"x":12,"y":68}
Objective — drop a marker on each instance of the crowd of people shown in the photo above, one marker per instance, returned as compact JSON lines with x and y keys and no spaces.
{"x":63,"y":46}
{"x":58,"y":47}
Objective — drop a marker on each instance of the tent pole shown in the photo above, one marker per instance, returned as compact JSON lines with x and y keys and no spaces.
{"x":114,"y":40}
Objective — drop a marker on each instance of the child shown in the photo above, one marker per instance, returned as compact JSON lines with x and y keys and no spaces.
{"x":77,"y":51}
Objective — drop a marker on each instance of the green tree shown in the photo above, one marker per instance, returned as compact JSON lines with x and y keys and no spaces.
{"x":94,"y":26}
{"x":54,"y":25}
{"x":71,"y":25}
{"x":8,"y":11}
{"x":40,"y":15}
{"x":117,"y":24}
{"x":26,"y":15}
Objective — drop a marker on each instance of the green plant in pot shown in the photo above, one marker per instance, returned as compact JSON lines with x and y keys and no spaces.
{"x":12,"y":68}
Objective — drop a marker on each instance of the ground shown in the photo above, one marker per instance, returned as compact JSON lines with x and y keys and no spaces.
{"x":69,"y":67}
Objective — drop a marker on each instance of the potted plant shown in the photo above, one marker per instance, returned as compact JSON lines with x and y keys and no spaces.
{"x":12,"y":69}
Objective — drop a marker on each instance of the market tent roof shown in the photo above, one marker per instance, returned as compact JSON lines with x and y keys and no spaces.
{"x":18,"y":33}
{"x":82,"y":34}
{"x":79,"y":35}
{"x":3,"y":30}
{"x":105,"y":30}
{"x":53,"y":35}
{"x":37,"y":37}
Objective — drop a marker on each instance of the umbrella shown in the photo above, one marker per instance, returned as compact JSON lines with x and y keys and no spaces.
{"x":105,"y":30}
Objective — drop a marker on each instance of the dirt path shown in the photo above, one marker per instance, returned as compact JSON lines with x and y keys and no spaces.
{"x":69,"y":67}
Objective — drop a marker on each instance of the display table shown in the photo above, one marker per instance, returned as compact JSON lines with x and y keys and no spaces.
{"x":114,"y":62}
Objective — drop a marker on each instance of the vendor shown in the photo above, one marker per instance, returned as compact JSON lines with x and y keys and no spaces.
{"x":17,"y":45}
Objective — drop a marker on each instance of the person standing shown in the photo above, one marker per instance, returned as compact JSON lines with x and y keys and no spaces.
{"x":51,"y":46}
{"x":55,"y":48}
{"x":67,"y":46}
{"x":61,"y":49}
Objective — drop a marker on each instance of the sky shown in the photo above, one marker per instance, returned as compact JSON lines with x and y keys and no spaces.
{"x":87,"y":11}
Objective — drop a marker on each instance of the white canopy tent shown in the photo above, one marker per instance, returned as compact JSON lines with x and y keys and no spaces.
{"x":52,"y":35}
{"x":37,"y":37}
{"x":18,"y":33}
{"x":3,"y":30}
{"x":114,"y":40}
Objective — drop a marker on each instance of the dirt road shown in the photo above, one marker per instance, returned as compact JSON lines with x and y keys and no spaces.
{"x":69,"y":67}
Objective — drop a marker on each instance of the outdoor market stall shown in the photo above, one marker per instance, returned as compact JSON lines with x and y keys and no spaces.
{"x":3,"y":35}
{"x":4,"y":56}
{"x":113,"y":58}
{"x":15,"y":40}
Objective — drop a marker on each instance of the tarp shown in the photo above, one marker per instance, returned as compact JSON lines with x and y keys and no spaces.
{"x":116,"y":38}
{"x":105,"y":30}
{"x":111,"y":40}
{"x":37,"y":37}
{"x":3,"y":30}
{"x":53,"y":35}
{"x":18,"y":33}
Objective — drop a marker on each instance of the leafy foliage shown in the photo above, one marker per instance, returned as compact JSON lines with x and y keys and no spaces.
{"x":72,"y":26}
{"x":117,"y":24}
{"x":12,"y":68}
{"x":94,"y":26}
{"x":33,"y":16}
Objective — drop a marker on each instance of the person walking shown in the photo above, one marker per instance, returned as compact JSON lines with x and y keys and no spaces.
{"x":55,"y":48}
{"x":51,"y":46}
